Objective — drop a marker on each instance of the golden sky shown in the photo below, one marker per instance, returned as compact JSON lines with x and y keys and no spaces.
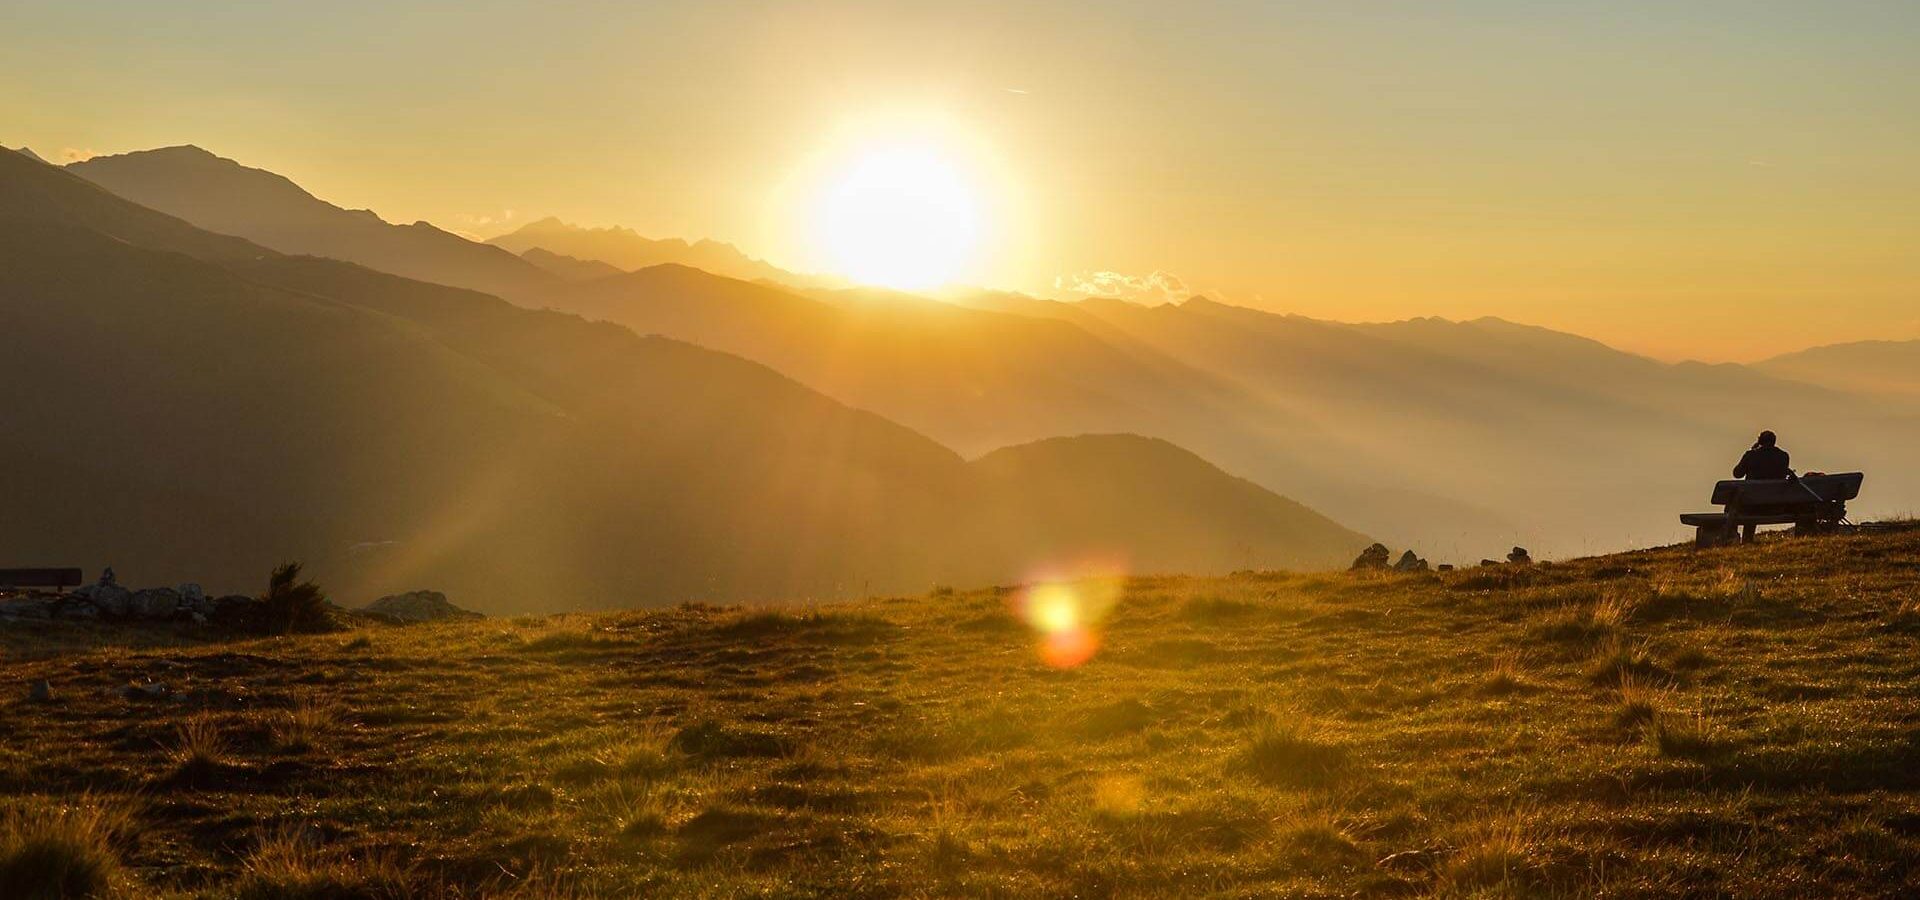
{"x":1722,"y":181}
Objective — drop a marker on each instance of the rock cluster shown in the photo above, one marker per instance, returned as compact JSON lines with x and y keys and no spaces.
{"x":418,"y":606}
{"x":1518,"y":556}
{"x":1377,"y":558}
{"x":106,"y":599}
{"x":1374,"y":557}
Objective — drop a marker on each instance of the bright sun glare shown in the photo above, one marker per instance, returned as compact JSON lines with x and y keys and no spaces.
{"x":901,"y":217}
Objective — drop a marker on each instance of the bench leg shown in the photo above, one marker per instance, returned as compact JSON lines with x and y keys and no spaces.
{"x":1705,"y":536}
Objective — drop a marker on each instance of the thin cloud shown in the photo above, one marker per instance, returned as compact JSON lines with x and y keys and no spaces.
{"x":1156,"y":287}
{"x":74,"y":155}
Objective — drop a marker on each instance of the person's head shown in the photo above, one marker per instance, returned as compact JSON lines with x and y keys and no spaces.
{"x":1767,"y":439}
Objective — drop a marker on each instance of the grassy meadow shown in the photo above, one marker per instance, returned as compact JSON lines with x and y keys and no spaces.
{"x":1735,"y":722}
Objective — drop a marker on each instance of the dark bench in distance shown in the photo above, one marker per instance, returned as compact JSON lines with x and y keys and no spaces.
{"x":1811,"y":503}
{"x":39,"y":578}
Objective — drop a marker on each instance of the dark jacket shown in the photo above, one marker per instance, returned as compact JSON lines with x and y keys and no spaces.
{"x":1763,"y":462}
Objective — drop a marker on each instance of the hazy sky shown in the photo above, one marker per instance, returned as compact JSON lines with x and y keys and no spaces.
{"x":1711,"y":179}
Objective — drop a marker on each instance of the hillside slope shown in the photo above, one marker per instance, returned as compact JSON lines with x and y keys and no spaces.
{"x":1736,"y":722}
{"x":203,"y":415}
{"x":225,"y":197}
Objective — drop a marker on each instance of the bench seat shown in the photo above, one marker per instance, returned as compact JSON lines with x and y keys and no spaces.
{"x":1720,"y":519}
{"x":1812,"y":504}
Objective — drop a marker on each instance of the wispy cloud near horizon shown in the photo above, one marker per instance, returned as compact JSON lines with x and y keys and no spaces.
{"x":1156,"y":287}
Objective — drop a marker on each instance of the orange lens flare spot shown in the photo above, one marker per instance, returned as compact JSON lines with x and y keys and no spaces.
{"x":1066,"y":649}
{"x":1066,"y":611}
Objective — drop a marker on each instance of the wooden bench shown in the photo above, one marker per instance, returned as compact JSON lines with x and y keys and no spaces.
{"x":39,"y":578}
{"x":1812,"y":503}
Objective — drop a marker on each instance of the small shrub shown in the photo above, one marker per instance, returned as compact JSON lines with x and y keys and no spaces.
{"x":60,"y":851}
{"x":293,"y":606}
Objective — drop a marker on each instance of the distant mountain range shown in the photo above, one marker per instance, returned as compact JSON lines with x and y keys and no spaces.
{"x":1890,"y":368}
{"x":626,"y":250}
{"x":1459,"y":438}
{"x":196,"y":406}
{"x":569,"y":267}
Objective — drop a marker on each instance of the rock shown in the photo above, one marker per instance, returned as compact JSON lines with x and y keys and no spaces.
{"x":27,"y":607}
{"x":40,"y":691}
{"x":236,"y":611}
{"x":1410,"y":562}
{"x":152,"y":690}
{"x":197,"y":617}
{"x":1519,"y":557}
{"x":192,"y":595}
{"x":1374,"y":557}
{"x":154,"y":603}
{"x":1489,"y":562}
{"x":111,"y":599}
{"x":418,"y":606}
{"x":81,"y":610}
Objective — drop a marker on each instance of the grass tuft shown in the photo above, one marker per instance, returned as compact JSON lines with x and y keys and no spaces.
{"x":1617,"y":660}
{"x":1639,"y":703}
{"x":199,"y":747}
{"x":301,"y":727}
{"x":1692,"y":736}
{"x":1287,"y":754}
{"x":50,"y":850}
{"x":289,"y":865}
{"x":1503,"y":675}
{"x":1497,"y":858}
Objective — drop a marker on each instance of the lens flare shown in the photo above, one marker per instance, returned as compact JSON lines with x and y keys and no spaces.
{"x":1066,"y":610}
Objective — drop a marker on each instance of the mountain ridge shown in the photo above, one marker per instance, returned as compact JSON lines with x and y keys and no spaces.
{"x":228,"y":197}
{"x":250,"y":407}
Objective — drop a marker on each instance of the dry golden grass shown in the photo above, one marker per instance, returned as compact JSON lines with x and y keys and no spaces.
{"x":1735,"y":722}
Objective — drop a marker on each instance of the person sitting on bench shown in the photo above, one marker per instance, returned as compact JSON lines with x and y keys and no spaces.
{"x":1763,"y":460}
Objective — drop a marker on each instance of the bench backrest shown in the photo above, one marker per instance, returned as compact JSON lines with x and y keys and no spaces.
{"x":39,"y":577}
{"x":1779,"y":492}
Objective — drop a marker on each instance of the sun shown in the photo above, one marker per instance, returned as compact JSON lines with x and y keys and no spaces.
{"x":898,"y":216}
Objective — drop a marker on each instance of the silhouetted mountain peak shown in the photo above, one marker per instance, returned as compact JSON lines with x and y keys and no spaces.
{"x":1198,"y":303}
{"x":224,"y":196}
{"x":28,"y":153}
